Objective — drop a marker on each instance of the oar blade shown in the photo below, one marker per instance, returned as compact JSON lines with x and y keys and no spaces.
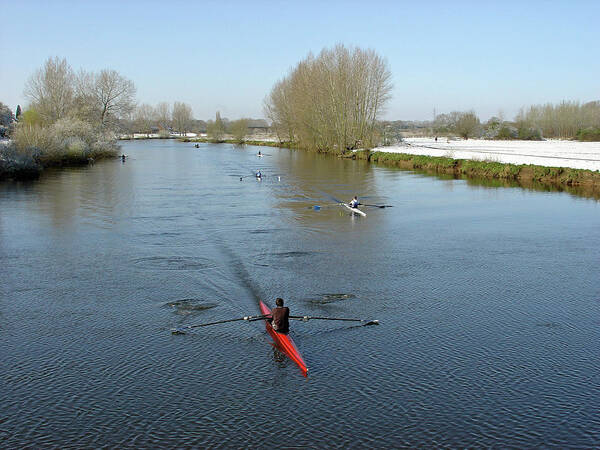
{"x":371,"y":322}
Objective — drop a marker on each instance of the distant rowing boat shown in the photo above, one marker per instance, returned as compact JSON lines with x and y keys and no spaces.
{"x":354,"y":210}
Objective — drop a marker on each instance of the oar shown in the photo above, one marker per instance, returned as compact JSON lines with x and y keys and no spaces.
{"x":377,"y":206}
{"x":307,"y":318}
{"x":318,"y":207}
{"x":248,"y":318}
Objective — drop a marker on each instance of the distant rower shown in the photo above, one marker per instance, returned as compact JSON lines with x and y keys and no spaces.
{"x":280,"y":317}
{"x":354,"y":202}
{"x":259,"y":153}
{"x":258,"y":174}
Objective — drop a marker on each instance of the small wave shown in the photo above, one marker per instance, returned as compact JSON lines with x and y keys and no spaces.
{"x":292,"y":254}
{"x":331,"y":298}
{"x":172,"y":263}
{"x":189,"y":305}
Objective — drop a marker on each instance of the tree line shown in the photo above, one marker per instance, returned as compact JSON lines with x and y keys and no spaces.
{"x":331,"y":102}
{"x":566,"y":120}
{"x":162,"y":118}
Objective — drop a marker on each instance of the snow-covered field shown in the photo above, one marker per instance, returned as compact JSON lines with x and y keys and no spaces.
{"x":555,"y":153}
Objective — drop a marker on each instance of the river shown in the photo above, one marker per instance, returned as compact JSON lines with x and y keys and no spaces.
{"x":488,"y":298}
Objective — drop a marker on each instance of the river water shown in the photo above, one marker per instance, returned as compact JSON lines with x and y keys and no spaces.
{"x":488,"y":298}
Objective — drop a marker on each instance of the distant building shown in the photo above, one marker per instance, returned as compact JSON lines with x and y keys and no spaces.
{"x":258,"y":126}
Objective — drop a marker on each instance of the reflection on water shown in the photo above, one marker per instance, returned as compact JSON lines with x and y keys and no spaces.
{"x":487,"y":297}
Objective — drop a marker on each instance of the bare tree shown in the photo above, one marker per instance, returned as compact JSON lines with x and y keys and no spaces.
{"x":216,"y":129}
{"x":163,"y":115}
{"x":103,"y":98}
{"x":182,"y":117}
{"x":114,"y":94}
{"x":51,"y":89}
{"x":239,"y":129}
{"x":467,"y":124}
{"x":332,"y":101}
{"x":143,"y":118}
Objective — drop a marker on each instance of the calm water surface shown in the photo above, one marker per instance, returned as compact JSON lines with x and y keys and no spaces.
{"x":489,"y":302}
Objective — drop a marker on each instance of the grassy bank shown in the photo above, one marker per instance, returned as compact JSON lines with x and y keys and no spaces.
{"x":486,"y":169}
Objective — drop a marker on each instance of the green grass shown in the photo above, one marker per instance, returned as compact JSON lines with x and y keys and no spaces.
{"x":487,"y":169}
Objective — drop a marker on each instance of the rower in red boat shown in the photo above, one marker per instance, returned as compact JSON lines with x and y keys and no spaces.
{"x":280,"y":317}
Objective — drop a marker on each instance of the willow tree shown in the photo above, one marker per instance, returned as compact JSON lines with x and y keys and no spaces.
{"x":331,"y":102}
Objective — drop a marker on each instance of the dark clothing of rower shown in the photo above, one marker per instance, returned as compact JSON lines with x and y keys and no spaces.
{"x":280,"y":317}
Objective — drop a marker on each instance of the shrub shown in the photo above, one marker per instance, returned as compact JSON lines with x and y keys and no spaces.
{"x":65,"y":130}
{"x":15,"y":163}
{"x":589,"y":134}
{"x":68,"y":141}
{"x":507,"y":132}
{"x":33,"y":137}
{"x":529,"y":134}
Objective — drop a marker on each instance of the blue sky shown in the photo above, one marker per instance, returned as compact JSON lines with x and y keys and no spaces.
{"x":226,"y":55}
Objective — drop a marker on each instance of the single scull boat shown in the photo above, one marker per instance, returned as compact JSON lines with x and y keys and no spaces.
{"x":284,"y":342}
{"x":354,"y":210}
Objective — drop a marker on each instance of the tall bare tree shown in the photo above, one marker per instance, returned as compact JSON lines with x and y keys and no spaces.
{"x":51,"y":89}
{"x":332,"y":101}
{"x":114,"y":94}
{"x":182,"y":117}
{"x":239,"y":129}
{"x":143,"y":118}
{"x":216,"y":129}
{"x":163,"y":115}
{"x":467,"y":124}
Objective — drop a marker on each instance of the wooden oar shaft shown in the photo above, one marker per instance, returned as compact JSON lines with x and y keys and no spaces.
{"x":377,"y":206}
{"x":249,"y":318}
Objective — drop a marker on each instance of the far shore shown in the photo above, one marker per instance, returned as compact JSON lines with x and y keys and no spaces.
{"x":551,"y":162}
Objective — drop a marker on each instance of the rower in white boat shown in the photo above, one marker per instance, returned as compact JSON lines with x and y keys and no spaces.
{"x":354,"y":202}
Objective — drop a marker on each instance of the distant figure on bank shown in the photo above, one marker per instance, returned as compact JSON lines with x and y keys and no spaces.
{"x":354,"y":202}
{"x":436,"y":139}
{"x":280,"y":317}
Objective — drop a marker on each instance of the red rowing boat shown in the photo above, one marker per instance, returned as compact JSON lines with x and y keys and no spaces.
{"x":284,"y":342}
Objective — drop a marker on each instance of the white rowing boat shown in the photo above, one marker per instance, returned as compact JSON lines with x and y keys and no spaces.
{"x":354,"y":210}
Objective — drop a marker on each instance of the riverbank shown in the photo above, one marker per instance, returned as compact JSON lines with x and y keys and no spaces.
{"x":580,"y":182}
{"x":269,"y":142}
{"x":30,"y":163}
{"x":548,"y":153}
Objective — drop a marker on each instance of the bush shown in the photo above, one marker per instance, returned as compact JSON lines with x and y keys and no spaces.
{"x":507,"y":132}
{"x":15,"y":163}
{"x":529,"y":134}
{"x":68,"y":141}
{"x":589,"y":135}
